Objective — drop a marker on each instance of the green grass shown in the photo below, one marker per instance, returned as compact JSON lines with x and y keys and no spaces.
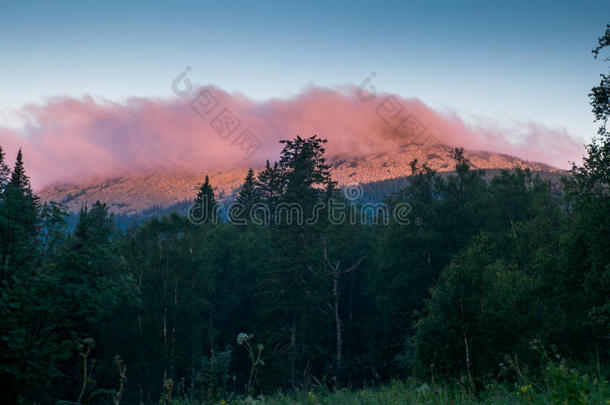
{"x":566,"y":388}
{"x":556,"y":383}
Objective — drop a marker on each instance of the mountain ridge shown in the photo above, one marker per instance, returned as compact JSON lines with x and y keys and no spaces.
{"x":133,"y":194}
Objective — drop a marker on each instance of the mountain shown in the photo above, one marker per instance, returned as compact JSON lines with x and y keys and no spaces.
{"x":138,"y":194}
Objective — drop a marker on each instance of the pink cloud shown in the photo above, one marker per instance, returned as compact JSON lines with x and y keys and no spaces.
{"x":68,"y":139}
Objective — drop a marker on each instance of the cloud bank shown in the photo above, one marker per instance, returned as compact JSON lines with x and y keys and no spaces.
{"x":71,"y":140}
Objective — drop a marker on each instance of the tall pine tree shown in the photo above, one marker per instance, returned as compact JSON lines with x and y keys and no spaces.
{"x":295,"y":285}
{"x":19,"y":221}
{"x":270,"y":184}
{"x":241,"y":211}
{"x":4,"y":177}
{"x":5,"y":172}
{"x":205,"y":208}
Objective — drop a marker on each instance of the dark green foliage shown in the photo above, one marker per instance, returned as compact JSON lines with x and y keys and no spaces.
{"x":585,"y":250}
{"x":411,"y":258}
{"x":5,"y":172}
{"x":205,"y":208}
{"x":600,"y":95}
{"x":293,"y":288}
{"x":19,"y":223}
{"x":249,"y":195}
{"x":270,"y":186}
{"x":480,"y":270}
{"x":471,"y":278}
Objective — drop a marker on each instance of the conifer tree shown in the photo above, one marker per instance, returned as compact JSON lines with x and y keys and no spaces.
{"x":18,"y":177}
{"x":4,"y":177}
{"x":270,"y":184}
{"x":248,"y":196}
{"x":205,"y":208}
{"x":305,"y":171}
{"x":92,"y":263}
{"x":304,"y":178}
{"x":5,"y":172}
{"x":20,"y":220}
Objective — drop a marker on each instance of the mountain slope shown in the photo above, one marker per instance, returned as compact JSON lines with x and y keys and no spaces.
{"x":136,"y":193}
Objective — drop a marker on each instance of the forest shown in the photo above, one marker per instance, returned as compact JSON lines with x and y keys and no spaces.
{"x":501,"y":282}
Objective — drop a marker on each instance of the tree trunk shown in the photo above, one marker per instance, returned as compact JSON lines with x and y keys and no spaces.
{"x":211,"y":334}
{"x":172,"y":354}
{"x":337,"y":326}
{"x":293,"y":351}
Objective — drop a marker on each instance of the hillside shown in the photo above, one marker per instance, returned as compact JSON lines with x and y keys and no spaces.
{"x":133,"y":194}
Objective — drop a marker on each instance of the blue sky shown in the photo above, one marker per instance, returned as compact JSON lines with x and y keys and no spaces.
{"x":502,"y":61}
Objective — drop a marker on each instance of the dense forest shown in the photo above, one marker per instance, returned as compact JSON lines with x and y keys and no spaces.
{"x":479,"y":280}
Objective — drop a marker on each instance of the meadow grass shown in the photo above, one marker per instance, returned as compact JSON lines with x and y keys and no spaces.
{"x":561,"y":386}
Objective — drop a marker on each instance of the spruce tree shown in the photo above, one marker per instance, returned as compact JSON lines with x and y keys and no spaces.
{"x":205,"y":208}
{"x":304,"y":178}
{"x":5,"y":172}
{"x":20,"y":197}
{"x":19,"y":220}
{"x":248,"y":195}
{"x":270,"y":184}
{"x":18,"y":176}
{"x":92,"y":263}
{"x":4,"y":177}
{"x":305,"y":171}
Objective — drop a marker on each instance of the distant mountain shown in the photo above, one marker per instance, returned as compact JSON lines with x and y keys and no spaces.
{"x":380,"y":174}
